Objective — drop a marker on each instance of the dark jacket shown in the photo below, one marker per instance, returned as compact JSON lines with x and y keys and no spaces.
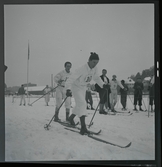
{"x":138,"y":87}
{"x":122,"y":91}
{"x":151,"y":90}
{"x":21,"y":91}
{"x":98,"y":88}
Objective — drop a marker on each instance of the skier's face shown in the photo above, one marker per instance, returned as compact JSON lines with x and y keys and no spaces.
{"x":92,"y":63}
{"x":114,"y":77}
{"x":104,"y":72}
{"x":68,"y":67}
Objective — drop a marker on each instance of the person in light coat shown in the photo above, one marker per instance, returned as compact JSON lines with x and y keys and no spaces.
{"x":77,"y":84}
{"x":114,"y":92}
{"x":47,"y":94}
{"x":60,"y":79}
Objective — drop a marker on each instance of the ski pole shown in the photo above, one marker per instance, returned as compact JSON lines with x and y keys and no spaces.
{"x":46,"y":126}
{"x":43,"y":95}
{"x":90,"y":124}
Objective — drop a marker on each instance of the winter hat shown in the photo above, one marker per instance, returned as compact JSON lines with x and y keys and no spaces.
{"x":114,"y":76}
{"x":93,"y":56}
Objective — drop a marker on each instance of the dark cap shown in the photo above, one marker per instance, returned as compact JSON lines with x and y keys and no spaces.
{"x":93,"y":56}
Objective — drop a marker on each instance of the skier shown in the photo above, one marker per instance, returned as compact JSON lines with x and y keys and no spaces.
{"x":138,"y":87}
{"x":77,"y":84}
{"x":21,"y":92}
{"x":47,"y":96}
{"x":114,"y":92}
{"x":60,"y":79}
{"x":88,"y":98}
{"x":151,"y":89}
{"x":104,"y":94}
{"x":124,"y":95}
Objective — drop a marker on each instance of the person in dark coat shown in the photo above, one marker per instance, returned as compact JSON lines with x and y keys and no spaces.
{"x":124,"y":95}
{"x":151,"y":89}
{"x":88,"y":98}
{"x":104,"y":94}
{"x":21,"y":92}
{"x":138,"y":88}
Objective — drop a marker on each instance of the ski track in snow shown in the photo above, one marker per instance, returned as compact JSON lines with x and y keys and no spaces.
{"x":27,"y":140}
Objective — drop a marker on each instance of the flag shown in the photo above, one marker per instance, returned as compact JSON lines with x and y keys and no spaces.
{"x":28,"y":51}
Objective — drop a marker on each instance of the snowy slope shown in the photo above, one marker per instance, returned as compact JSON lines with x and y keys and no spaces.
{"x":27,"y":140}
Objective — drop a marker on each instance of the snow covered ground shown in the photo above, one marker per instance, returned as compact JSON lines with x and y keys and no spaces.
{"x":27,"y":140}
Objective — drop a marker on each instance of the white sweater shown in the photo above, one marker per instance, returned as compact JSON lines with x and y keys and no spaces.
{"x":63,"y":75}
{"x":114,"y":84}
{"x":83,"y":76}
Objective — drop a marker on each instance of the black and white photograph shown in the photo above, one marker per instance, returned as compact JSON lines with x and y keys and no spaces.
{"x":79,"y":82}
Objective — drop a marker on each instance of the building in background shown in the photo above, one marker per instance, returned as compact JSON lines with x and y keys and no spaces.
{"x":36,"y":90}
{"x":129,"y":82}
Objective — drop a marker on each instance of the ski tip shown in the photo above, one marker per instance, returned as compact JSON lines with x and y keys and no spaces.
{"x":128,"y":145}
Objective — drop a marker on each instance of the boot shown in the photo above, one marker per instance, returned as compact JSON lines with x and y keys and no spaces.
{"x":56,"y":119}
{"x":140,"y":108}
{"x":83,"y":129}
{"x":71,"y":119}
{"x":102,"y":109}
{"x":87,"y":107}
{"x":67,"y":114}
{"x":135,"y":109}
{"x":92,"y":108}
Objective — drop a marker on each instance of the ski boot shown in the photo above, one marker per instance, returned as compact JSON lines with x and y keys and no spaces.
{"x":71,"y":119}
{"x":92,"y":108}
{"x":140,"y":109}
{"x":56,"y":119}
{"x":83,"y":129}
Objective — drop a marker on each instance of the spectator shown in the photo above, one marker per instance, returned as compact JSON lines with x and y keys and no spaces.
{"x":138,"y":87}
{"x":104,"y":94}
{"x":47,"y":95}
{"x":114,"y":92}
{"x":21,"y":92}
{"x":89,"y":99}
{"x":124,"y":95}
{"x":151,"y":89}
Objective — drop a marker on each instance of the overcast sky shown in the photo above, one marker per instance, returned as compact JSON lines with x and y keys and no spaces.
{"x":121,"y":34}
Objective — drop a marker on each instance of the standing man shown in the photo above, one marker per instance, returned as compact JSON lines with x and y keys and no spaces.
{"x":138,"y":87}
{"x":77,"y":84}
{"x":47,"y":96}
{"x":21,"y":92}
{"x":88,"y":98}
{"x":114,"y":92}
{"x":151,"y":89}
{"x":124,"y":95}
{"x":60,"y":79}
{"x":104,"y":94}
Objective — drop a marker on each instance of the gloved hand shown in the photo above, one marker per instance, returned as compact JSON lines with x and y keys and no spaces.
{"x":68,"y":93}
{"x":60,"y":81}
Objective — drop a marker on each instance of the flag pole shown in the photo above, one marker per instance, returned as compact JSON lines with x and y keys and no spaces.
{"x":28,"y":72}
